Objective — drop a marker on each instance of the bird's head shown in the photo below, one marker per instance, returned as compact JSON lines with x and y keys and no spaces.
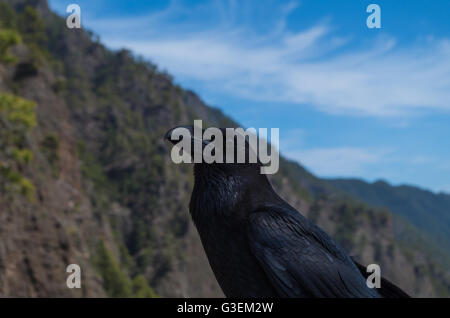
{"x":226,"y":168}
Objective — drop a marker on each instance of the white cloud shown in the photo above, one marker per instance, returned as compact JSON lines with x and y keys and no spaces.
{"x":217,"y":45}
{"x":445,"y":190}
{"x":339,"y":161}
{"x":292,"y":139}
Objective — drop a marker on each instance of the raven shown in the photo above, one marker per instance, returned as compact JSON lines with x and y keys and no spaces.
{"x":260,"y":246}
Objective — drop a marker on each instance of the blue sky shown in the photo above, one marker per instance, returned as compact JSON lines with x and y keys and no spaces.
{"x":349,"y":101}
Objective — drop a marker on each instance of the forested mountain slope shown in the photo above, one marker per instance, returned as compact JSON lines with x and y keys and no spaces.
{"x":424,"y":209}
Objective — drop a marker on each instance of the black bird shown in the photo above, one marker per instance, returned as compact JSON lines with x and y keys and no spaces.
{"x":260,"y":246}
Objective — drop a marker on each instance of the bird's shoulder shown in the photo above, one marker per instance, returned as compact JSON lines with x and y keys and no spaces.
{"x":299,"y":258}
{"x":286,"y":226}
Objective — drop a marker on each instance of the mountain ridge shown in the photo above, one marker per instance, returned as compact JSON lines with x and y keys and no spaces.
{"x":411,"y":202}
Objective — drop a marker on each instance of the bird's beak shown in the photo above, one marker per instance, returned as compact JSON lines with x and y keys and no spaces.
{"x":174,"y":140}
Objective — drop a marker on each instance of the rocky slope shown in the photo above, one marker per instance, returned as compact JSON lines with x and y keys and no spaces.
{"x":85,"y":176}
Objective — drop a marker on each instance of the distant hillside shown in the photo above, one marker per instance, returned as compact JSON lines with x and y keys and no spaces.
{"x":426,"y":210}
{"x":85,"y":176}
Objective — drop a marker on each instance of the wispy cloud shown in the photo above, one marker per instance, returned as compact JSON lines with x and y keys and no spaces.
{"x":214,"y":43}
{"x":370,"y":163}
{"x":339,"y":161}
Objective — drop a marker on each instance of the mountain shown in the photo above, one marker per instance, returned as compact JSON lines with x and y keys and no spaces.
{"x":426,"y":210}
{"x":85,"y":176}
